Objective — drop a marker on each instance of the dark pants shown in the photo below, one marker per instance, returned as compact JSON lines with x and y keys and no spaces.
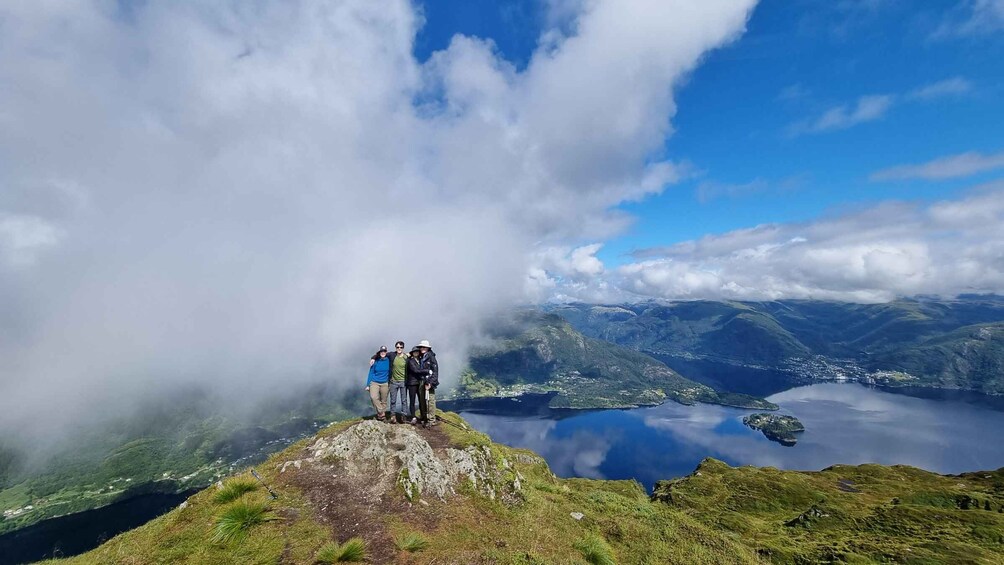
{"x":419,"y":391}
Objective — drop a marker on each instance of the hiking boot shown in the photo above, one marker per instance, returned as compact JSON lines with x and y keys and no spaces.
{"x":414,"y":421}
{"x":400,"y":418}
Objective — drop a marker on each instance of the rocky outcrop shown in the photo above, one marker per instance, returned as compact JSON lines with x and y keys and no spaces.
{"x":808,"y":518}
{"x":380,"y":457}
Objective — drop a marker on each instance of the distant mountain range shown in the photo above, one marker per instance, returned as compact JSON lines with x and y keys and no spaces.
{"x":951,"y":344}
{"x":536,"y":352}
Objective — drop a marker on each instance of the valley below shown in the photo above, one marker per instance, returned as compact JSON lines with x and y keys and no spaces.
{"x":631,"y":392}
{"x":468,"y":499}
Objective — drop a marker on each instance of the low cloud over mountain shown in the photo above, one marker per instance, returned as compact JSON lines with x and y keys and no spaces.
{"x":260,"y":194}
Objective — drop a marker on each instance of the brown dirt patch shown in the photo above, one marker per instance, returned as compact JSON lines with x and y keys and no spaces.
{"x":436,"y":437}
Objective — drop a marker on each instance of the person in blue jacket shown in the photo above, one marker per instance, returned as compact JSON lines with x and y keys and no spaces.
{"x":415,"y":382}
{"x":376,"y":382}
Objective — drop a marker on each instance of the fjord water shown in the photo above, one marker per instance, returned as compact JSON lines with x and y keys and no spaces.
{"x":845,"y":423}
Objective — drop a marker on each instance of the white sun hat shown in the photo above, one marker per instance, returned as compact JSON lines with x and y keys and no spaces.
{"x":424,"y":343}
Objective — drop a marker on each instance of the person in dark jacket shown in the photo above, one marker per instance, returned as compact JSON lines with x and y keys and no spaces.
{"x":376,"y":382}
{"x":430,"y":364}
{"x":415,"y":382}
{"x":398,"y":377}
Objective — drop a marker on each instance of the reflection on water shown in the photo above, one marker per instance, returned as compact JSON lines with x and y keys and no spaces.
{"x":845,"y":423}
{"x":733,"y":378}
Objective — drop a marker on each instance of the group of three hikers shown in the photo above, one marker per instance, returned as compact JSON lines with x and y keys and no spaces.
{"x":391,"y":374}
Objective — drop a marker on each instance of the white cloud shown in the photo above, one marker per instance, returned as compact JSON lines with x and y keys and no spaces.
{"x":951,"y":166}
{"x":874,"y":255}
{"x":567,"y":274}
{"x":23,"y":238}
{"x":866,"y":109}
{"x":260,"y":199}
{"x":954,"y":86}
{"x":875,"y":106}
{"x":972,"y":17}
{"x":572,"y":263}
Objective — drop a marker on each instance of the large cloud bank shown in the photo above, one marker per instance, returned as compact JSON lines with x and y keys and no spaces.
{"x":876,"y":254}
{"x":262,"y":192}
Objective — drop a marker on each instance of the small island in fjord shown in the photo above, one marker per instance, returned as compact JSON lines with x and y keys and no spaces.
{"x":777,"y":427}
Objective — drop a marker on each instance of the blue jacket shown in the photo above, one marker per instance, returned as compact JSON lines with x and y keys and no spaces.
{"x":379,"y":372}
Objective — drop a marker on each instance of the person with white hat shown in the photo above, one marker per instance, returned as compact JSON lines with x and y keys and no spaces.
{"x":415,"y":382}
{"x":428,"y":362}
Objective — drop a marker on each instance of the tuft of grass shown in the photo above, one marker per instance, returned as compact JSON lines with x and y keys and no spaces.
{"x":411,"y":541}
{"x":351,"y":551}
{"x":234,"y":489}
{"x":595,"y":550}
{"x":237,"y":520}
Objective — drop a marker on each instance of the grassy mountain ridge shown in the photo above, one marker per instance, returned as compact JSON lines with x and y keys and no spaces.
{"x":852,"y":328}
{"x":723,"y":330}
{"x":969,"y":358}
{"x":506,"y":507}
{"x":170,"y":447}
{"x":854,"y":514}
{"x":542,"y":352}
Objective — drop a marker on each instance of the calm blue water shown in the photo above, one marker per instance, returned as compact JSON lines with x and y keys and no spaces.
{"x":845,"y":423}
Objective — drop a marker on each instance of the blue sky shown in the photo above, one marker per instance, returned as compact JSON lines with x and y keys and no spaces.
{"x":745,"y":117}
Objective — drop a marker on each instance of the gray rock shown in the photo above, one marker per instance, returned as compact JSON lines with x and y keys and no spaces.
{"x":398,"y":456}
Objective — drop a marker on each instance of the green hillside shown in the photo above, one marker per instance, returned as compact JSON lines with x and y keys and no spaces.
{"x":173,"y":446}
{"x":931,"y":339}
{"x":721,"y":330}
{"x":448,"y":495}
{"x":846,"y":514}
{"x":542,"y":353}
{"x":970,"y":358}
{"x":838,"y":328}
